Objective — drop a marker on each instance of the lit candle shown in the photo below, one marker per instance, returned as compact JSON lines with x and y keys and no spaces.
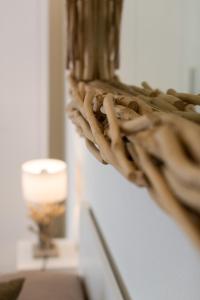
{"x":44,"y":181}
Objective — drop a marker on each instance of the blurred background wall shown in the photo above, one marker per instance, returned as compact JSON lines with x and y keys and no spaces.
{"x":23,"y":113}
{"x":160,"y":43}
{"x":32,"y":106}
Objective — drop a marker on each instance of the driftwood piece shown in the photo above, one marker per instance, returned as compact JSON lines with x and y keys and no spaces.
{"x":93,"y":31}
{"x":149,"y":146}
{"x":151,"y":137}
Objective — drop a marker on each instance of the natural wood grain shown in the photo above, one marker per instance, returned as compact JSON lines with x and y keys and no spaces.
{"x":150,"y":136}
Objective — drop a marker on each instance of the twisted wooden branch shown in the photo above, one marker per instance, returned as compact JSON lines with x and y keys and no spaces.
{"x":151,"y":137}
{"x":146,"y":141}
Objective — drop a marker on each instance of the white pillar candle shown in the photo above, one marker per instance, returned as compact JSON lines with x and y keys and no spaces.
{"x":44,"y":181}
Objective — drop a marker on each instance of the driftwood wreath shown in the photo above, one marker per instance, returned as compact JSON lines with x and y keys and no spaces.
{"x":151,"y":137}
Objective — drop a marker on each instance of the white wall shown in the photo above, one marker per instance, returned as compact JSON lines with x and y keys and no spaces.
{"x":155,"y":258}
{"x":23,"y":112}
{"x":160,"y":42}
{"x":191,"y":45}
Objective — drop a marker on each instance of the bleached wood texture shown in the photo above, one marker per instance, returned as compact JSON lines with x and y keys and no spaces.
{"x":151,"y":137}
{"x":93,"y":31}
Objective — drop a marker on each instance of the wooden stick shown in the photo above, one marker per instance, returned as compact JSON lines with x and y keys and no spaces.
{"x":194,"y":99}
{"x":168,"y":201}
{"x":186,"y":194}
{"x":193,"y":116}
{"x":80,"y":121}
{"x":99,"y":138}
{"x":142,"y":123}
{"x":116,"y":142}
{"x":189,"y":133}
{"x":175,"y":158}
{"x":93,"y":149}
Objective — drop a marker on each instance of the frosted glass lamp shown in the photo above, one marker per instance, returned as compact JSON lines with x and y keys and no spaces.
{"x":44,"y":186}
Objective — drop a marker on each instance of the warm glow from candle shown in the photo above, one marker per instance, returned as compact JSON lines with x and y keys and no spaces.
{"x":44,"y":181}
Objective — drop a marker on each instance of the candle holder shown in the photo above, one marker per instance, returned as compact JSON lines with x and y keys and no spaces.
{"x":43,"y":217}
{"x":44,"y":185}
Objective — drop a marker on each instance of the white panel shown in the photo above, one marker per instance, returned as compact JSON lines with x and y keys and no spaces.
{"x":95,"y":266}
{"x":155,"y":258}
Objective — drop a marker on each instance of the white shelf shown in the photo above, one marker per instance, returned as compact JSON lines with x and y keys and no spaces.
{"x":67,"y":260}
